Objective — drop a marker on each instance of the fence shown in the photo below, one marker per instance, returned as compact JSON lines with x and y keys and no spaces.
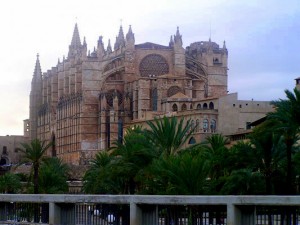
{"x":148,"y":210}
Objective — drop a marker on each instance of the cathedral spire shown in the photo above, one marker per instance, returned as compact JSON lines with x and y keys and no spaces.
{"x":76,"y":38}
{"x":120,"y":40}
{"x":121,"y":34}
{"x":130,"y":34}
{"x":37,"y":70}
{"x":178,"y":38}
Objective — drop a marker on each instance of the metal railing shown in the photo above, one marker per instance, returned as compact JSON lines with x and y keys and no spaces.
{"x":148,"y":210}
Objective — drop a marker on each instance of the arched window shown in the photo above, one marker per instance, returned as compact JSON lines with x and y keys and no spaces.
{"x":183,"y":107}
{"x":213,"y":126}
{"x":205,"y":125}
{"x":154,"y":99}
{"x":211,"y":105}
{"x":205,"y":106}
{"x":199,"y":106}
{"x":192,"y":141}
{"x":191,"y":106}
{"x":175,"y":108}
{"x":197,"y":125}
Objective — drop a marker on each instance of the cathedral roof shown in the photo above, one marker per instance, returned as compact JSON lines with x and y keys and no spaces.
{"x":179,"y":95}
{"x":149,"y":45}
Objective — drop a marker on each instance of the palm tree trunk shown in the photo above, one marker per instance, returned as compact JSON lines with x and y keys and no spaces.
{"x":289,"y":145}
{"x":35,"y":178}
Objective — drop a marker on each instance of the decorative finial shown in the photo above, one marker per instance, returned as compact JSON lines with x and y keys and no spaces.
{"x":37,"y":55}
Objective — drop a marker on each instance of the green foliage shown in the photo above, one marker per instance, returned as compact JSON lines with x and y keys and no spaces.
{"x":167,"y":135}
{"x":99,"y":179}
{"x":34,"y":153}
{"x":244,"y":182}
{"x":177,"y":174}
{"x":216,"y":155}
{"x":10,"y":183}
{"x":286,"y":122}
{"x":131,"y":157}
{"x":53,"y":177}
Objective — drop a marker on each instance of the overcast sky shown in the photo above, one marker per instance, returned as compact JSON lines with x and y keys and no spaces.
{"x":262,"y":37}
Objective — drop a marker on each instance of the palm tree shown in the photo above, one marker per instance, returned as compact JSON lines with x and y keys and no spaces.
{"x":287,"y":123}
{"x":216,"y":155}
{"x":167,"y":135}
{"x":180,"y":174}
{"x":53,"y":177}
{"x":131,"y":157}
{"x":98,"y":178}
{"x":34,"y":153}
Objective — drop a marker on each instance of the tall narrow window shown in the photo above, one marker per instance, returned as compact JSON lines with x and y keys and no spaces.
{"x":211,"y":105}
{"x":120,"y":130}
{"x":154,"y":99}
{"x":107,"y":132}
{"x":197,"y":125}
{"x":205,"y":125}
{"x":213,"y":126}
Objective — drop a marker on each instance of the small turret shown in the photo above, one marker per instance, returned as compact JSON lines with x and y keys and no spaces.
{"x":100,"y":48}
{"x":130,"y":35}
{"x":108,"y":50}
{"x":171,"y":43}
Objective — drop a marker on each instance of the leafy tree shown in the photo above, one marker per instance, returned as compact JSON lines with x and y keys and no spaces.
{"x":10,"y":183}
{"x":287,"y":123}
{"x":53,"y":177}
{"x":168,"y":135}
{"x":34,"y":152}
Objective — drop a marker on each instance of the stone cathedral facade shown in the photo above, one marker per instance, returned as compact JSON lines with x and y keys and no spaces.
{"x":85,"y":102}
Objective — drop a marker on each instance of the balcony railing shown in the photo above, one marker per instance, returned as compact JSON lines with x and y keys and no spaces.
{"x":148,"y":210}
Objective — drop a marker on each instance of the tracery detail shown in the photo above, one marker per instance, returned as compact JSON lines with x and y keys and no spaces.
{"x":111,"y":94}
{"x":153,"y":65}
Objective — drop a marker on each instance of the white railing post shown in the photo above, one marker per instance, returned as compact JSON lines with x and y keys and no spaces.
{"x":135,"y":214}
{"x":54,"y":214}
{"x":233,"y":215}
